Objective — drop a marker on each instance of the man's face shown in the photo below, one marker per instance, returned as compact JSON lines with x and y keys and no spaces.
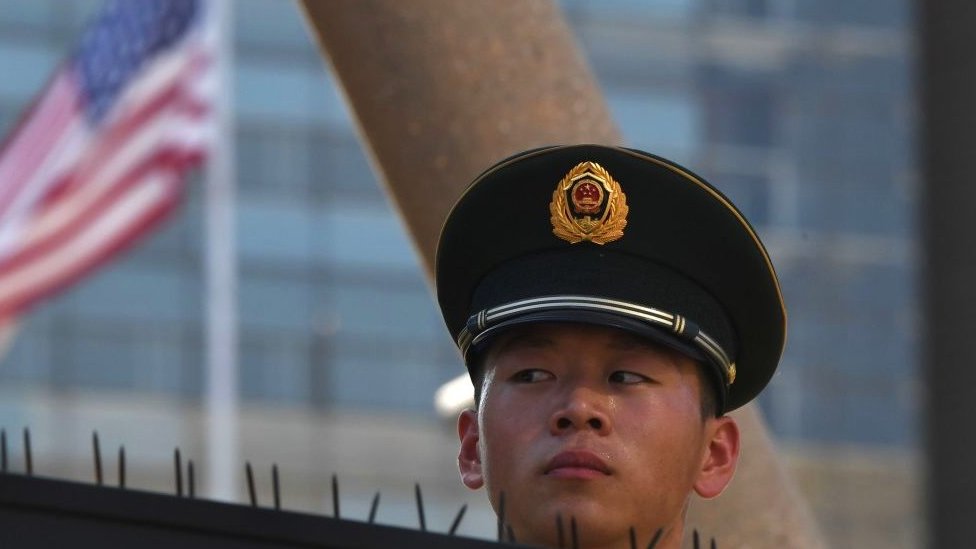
{"x":594,"y":424}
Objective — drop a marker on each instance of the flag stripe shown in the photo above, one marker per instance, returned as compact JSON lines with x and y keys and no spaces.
{"x":46,"y":114}
{"x":70,"y":145}
{"x":79,"y":245}
{"x":128,"y":142}
{"x":153,"y":118}
{"x":101,"y":156}
{"x":35,"y":140}
{"x":62,"y":269}
{"x":86,"y":214}
{"x":63,"y":214}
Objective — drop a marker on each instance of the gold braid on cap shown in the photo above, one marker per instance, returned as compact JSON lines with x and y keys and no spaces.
{"x":484,"y":323}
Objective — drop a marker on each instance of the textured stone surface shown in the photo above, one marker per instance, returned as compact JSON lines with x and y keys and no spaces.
{"x":441,"y":90}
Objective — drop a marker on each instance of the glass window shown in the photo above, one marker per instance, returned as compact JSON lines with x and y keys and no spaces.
{"x":275,"y":367}
{"x":274,"y":161}
{"x":77,"y":13}
{"x":29,"y":357}
{"x":381,"y":312}
{"x":844,"y":204}
{"x":271,"y":24}
{"x":32,"y":66}
{"x":740,"y":106}
{"x":667,"y":124}
{"x":158,"y":359}
{"x":287,"y":94}
{"x":892,"y":14}
{"x":340,"y":170}
{"x":98,"y":361}
{"x":149,"y":357}
{"x":283,"y":302}
{"x":384,"y":374}
{"x":35,"y":13}
{"x":749,"y":193}
{"x":123,"y":291}
{"x":172,"y":240}
{"x":274,"y":231}
{"x":740,"y":8}
{"x":363,"y":235}
{"x":657,"y":8}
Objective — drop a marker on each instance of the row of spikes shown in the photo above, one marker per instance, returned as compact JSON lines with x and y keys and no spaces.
{"x":374,"y":505}
{"x":505,"y":532}
{"x":191,"y":480}
{"x":28,"y":460}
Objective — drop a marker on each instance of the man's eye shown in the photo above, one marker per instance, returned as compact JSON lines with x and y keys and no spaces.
{"x":627,"y":377}
{"x":531,"y":376}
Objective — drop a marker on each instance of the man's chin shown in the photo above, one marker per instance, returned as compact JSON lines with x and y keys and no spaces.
{"x":595,"y":522}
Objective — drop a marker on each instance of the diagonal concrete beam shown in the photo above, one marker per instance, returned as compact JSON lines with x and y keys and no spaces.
{"x":441,"y":90}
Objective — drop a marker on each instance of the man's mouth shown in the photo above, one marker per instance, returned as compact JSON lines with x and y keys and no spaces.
{"x":577,"y":464}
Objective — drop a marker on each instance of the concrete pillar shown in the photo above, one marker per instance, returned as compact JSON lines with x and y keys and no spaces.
{"x":443,"y":89}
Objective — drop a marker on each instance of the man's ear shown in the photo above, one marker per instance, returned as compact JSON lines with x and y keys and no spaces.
{"x":469,"y":458}
{"x":721,"y":456}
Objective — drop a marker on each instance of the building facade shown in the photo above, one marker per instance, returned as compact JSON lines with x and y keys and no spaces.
{"x":799,"y":110}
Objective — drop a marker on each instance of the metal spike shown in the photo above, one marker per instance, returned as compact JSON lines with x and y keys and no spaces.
{"x":694,"y":537}
{"x":656,"y":538}
{"x":510,"y":533}
{"x":3,"y":450}
{"x":98,"y":458}
{"x":457,"y":519}
{"x":28,"y":459}
{"x":501,"y":515}
{"x":121,"y":466}
{"x":178,"y":466}
{"x":560,"y":535}
{"x":573,"y":534}
{"x":335,"y":496}
{"x":420,"y":507}
{"x":373,"y":506}
{"x":190,"y":479}
{"x":275,"y":487}
{"x":250,"y":484}
{"x":633,"y":538}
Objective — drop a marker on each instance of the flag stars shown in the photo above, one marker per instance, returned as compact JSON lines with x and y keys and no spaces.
{"x":171,"y":29}
{"x":113,"y":76}
{"x":124,"y":38}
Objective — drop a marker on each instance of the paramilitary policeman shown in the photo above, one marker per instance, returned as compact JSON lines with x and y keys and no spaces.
{"x":611,"y":308}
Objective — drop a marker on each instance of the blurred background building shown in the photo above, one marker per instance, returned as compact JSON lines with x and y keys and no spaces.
{"x":800,"y":110}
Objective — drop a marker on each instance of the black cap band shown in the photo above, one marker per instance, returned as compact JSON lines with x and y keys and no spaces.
{"x":608,"y":288}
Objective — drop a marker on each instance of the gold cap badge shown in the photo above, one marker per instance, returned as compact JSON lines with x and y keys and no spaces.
{"x":588,"y":205}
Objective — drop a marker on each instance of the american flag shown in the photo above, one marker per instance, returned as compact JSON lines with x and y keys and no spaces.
{"x":102,"y":155}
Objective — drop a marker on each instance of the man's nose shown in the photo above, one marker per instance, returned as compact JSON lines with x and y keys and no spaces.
{"x":583,"y":409}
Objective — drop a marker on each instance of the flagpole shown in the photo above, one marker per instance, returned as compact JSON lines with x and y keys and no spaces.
{"x":221,"y":404}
